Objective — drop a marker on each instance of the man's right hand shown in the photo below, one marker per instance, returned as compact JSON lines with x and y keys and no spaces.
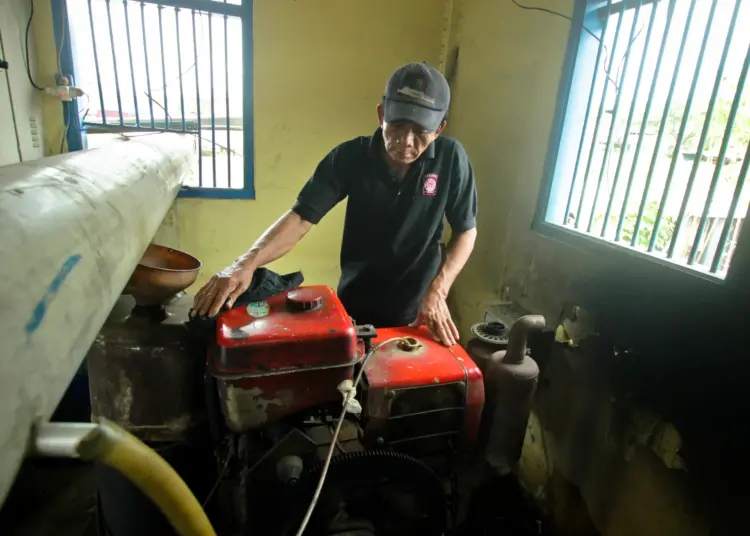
{"x":226,"y":286}
{"x":222,"y":290}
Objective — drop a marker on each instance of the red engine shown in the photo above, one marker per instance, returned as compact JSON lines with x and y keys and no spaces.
{"x":278,"y":358}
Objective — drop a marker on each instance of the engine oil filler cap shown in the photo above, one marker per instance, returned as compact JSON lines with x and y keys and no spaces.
{"x":305,"y":299}
{"x":409,"y":344}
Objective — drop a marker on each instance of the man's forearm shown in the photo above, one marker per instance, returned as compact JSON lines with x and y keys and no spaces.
{"x":276,"y":242}
{"x":457,"y":253}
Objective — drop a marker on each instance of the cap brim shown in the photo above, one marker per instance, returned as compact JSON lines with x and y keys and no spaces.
{"x":399,"y":112}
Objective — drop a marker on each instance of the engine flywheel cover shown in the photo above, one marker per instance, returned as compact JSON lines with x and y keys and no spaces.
{"x":397,"y":493}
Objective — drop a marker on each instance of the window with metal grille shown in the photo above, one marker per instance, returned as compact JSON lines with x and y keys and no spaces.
{"x":652,"y":144}
{"x":168,"y":65}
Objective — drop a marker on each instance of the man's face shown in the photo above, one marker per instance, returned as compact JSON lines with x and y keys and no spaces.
{"x":405,"y":142}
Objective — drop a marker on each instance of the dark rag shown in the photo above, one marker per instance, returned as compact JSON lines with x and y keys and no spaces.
{"x":265,"y":284}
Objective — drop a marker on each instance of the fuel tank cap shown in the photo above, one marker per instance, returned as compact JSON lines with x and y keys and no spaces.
{"x":306,"y":299}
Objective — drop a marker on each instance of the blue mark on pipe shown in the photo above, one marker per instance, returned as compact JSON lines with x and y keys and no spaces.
{"x":37,"y":315}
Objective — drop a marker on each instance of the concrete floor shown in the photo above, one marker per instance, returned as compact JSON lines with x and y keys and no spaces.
{"x":51,"y":497}
{"x":58,"y":498}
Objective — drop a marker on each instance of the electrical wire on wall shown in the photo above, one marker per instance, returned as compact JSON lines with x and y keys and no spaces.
{"x":10,"y":98}
{"x":26,"y":46}
{"x":62,"y":79}
{"x":607,"y":68}
{"x":63,"y":29}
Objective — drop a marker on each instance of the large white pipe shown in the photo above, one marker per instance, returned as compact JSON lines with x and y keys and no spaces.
{"x":72,"y":229}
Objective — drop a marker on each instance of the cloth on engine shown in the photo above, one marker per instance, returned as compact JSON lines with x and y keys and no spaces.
{"x":264,"y":285}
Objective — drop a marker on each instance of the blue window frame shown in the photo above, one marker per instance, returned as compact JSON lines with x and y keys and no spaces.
{"x":650,"y":146}
{"x":164,"y":66}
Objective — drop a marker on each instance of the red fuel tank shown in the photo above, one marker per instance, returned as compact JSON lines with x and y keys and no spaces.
{"x":421,"y":397}
{"x":277,"y":357}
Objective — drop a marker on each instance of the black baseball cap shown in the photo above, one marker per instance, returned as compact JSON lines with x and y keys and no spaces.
{"x":417,"y":93}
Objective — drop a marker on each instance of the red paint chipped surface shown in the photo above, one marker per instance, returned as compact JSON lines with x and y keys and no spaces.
{"x":291,"y":359}
{"x":394,"y":368}
{"x":287,"y":339}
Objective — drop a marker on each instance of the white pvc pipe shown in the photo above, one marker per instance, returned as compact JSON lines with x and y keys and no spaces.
{"x":72,"y":229}
{"x":60,"y":439}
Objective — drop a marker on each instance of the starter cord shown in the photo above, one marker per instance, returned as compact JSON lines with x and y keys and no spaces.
{"x":335,"y":437}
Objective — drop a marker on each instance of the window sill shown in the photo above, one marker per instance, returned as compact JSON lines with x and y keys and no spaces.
{"x":624,"y":256}
{"x":216,"y":193}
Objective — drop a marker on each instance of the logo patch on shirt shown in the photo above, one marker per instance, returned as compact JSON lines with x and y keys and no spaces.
{"x":429,"y":184}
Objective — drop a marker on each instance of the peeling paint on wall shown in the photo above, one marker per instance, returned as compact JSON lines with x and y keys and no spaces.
{"x":627,"y":461}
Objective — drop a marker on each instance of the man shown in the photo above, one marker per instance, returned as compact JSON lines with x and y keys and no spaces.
{"x":401,"y":183}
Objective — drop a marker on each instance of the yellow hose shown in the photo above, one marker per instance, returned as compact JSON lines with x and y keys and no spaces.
{"x":122,"y":451}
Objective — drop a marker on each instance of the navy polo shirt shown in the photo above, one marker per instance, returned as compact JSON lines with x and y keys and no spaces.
{"x":390,"y":251}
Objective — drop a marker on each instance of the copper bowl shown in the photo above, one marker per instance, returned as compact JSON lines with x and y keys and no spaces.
{"x":161,"y":274}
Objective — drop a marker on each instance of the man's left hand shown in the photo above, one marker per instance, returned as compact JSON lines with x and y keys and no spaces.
{"x":434,"y":313}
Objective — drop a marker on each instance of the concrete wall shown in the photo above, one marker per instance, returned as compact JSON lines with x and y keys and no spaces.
{"x":16,"y":92}
{"x":638,"y":442}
